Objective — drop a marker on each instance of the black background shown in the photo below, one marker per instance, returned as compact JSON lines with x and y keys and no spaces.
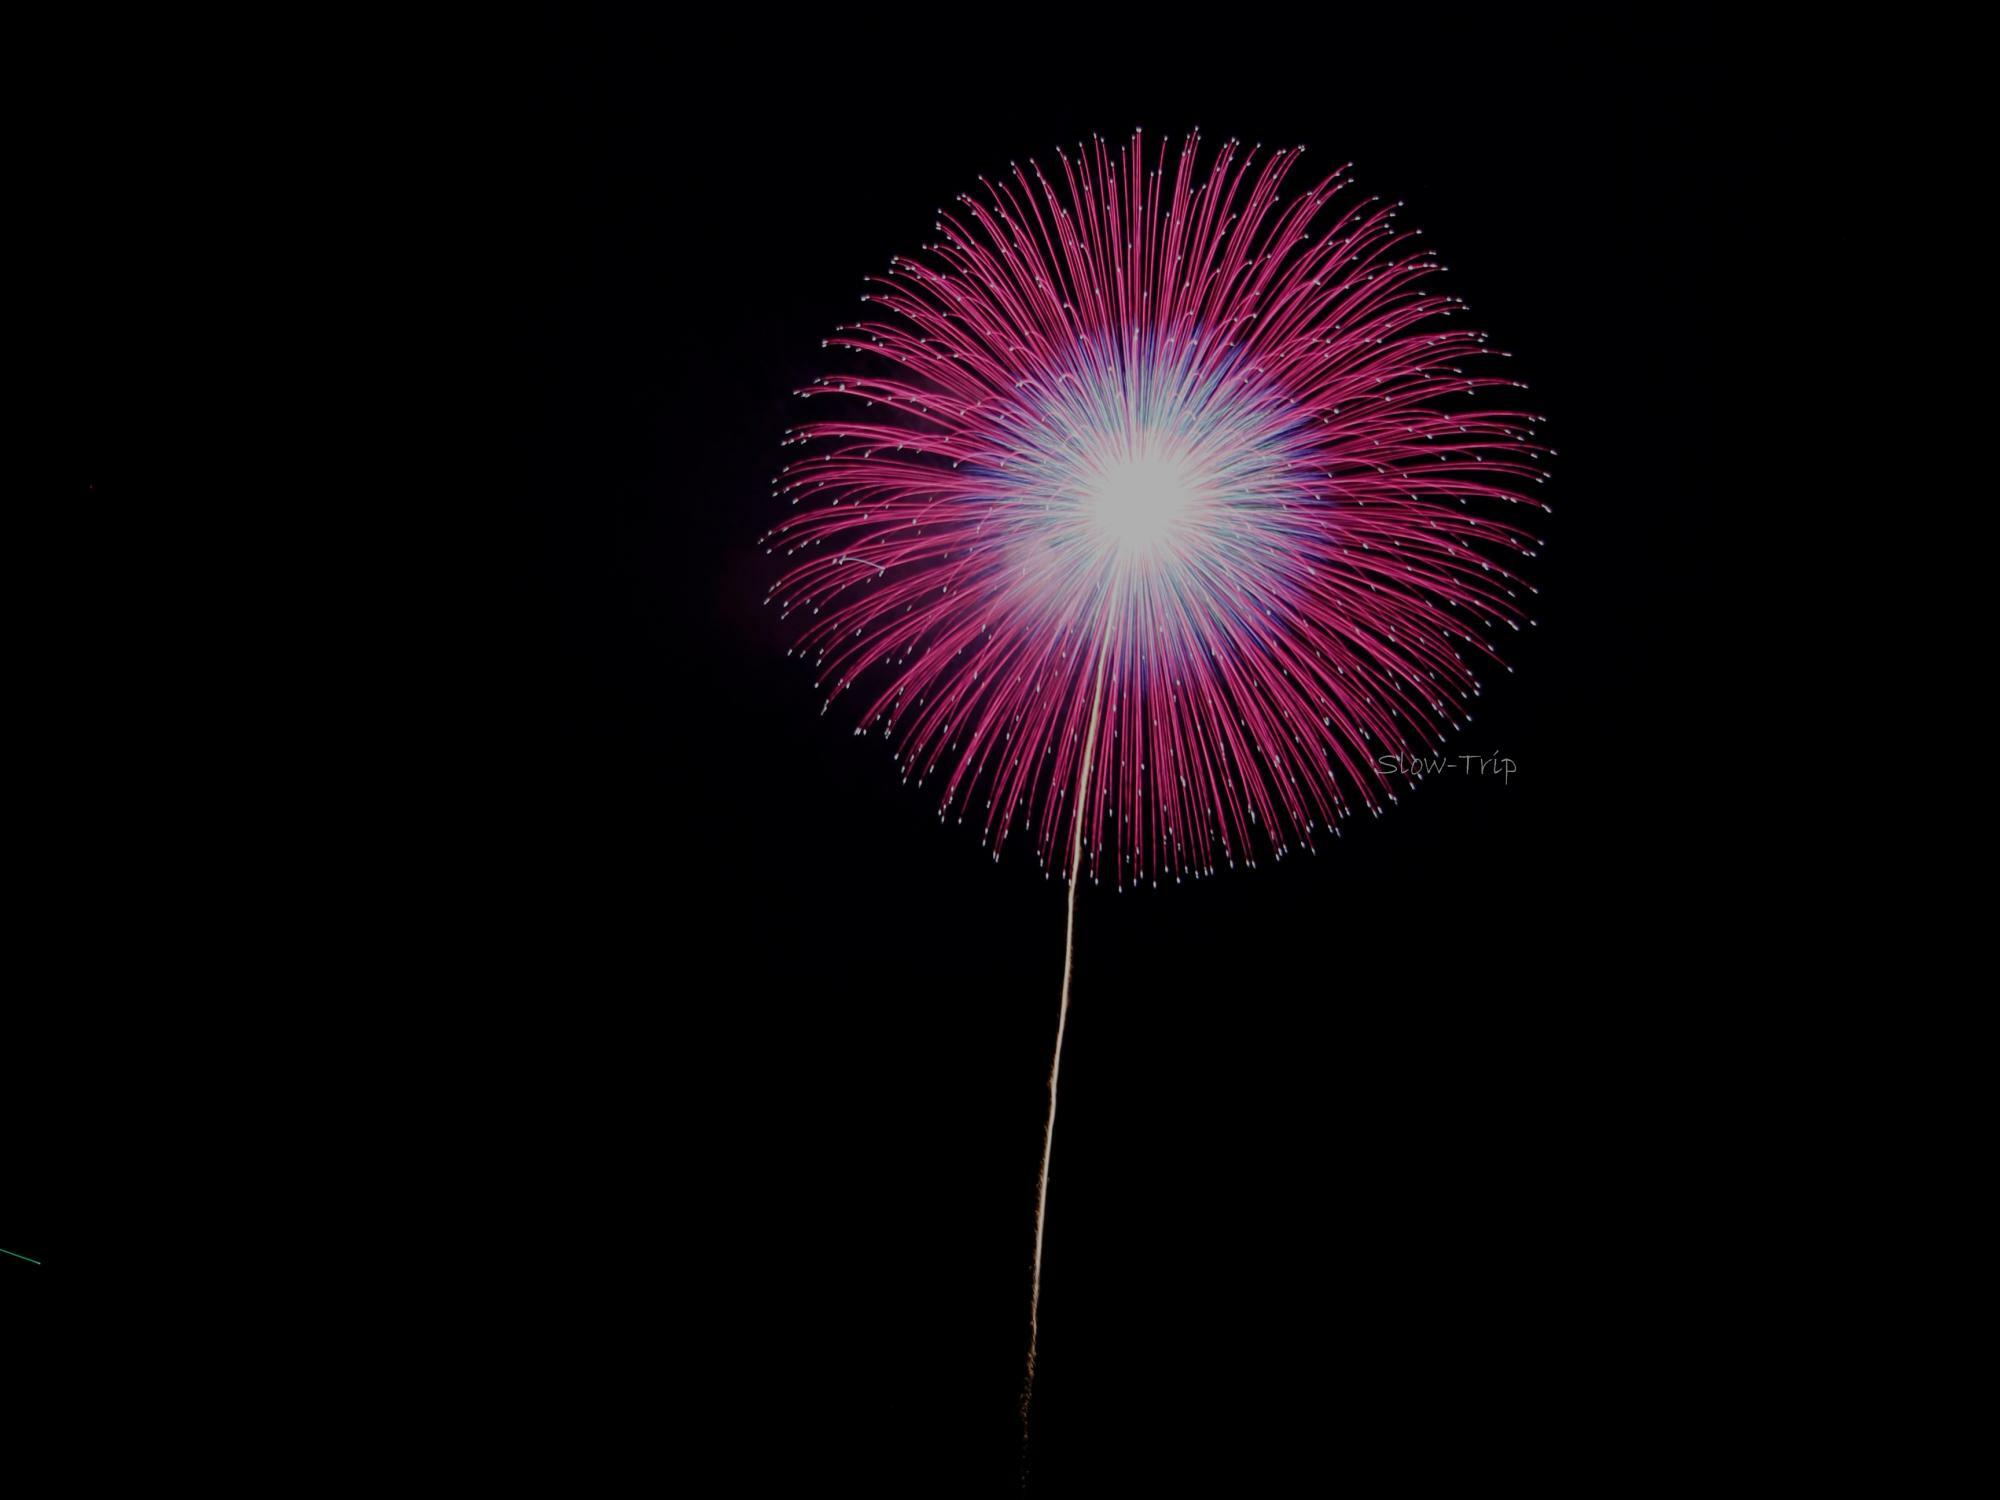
{"x":1439,"y":1145}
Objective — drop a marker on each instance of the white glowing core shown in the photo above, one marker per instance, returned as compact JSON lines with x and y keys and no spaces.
{"x":1138,"y":503}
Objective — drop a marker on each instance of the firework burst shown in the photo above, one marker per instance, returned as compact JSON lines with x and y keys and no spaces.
{"x":1161,"y":518}
{"x":1221,"y":466}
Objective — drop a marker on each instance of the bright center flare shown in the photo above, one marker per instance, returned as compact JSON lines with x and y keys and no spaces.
{"x":1140,"y":501}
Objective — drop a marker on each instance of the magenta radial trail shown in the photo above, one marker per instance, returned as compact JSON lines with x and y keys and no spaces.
{"x":1152,"y":452}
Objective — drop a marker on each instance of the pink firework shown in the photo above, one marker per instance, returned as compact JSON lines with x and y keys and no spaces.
{"x":1162,"y":516}
{"x":1218,"y":465}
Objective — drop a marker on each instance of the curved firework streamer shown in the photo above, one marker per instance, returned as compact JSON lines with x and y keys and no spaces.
{"x":1160,"y":508}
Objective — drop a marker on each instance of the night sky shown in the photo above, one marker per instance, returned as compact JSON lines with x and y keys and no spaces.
{"x":1419,"y":1147}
